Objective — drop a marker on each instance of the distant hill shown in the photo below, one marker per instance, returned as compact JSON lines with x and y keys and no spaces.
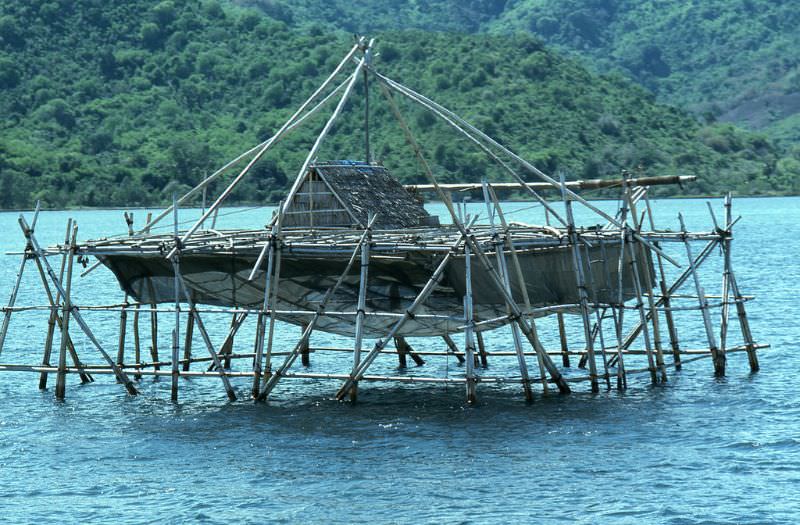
{"x":732,"y":60}
{"x":125,"y":103}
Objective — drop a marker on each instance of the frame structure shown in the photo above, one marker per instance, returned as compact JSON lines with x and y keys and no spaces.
{"x":625,"y":275}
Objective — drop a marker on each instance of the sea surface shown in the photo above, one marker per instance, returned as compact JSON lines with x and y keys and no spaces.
{"x":698,"y":449}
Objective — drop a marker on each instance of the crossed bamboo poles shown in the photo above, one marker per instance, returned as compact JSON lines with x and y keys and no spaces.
{"x":265,"y":380}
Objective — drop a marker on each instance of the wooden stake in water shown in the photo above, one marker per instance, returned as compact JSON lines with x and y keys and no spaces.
{"x":61,"y":376}
{"x":577,"y":263}
{"x":717,"y":354}
{"x":176,"y":332}
{"x":362,"y":297}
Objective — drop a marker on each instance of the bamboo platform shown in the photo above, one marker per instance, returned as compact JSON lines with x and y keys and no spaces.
{"x":629,"y":306}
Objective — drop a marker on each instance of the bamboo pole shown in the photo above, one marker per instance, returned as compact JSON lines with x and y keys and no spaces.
{"x":12,"y":300}
{"x":469,"y":321}
{"x":504,"y":273}
{"x":204,"y":334}
{"x":741,"y":313}
{"x":637,"y":287}
{"x":433,"y":281}
{"x":672,"y":330}
{"x":305,"y":358}
{"x":274,"y":297}
{"x":598,"y":315}
{"x":40,"y":258}
{"x":273,"y":379}
{"x":454,"y":120}
{"x":61,"y":376}
{"x":583,"y":297}
{"x":123,"y":325}
{"x":528,"y":330}
{"x":481,"y":349}
{"x":509,"y":243}
{"x":717,"y":354}
{"x":177,"y":294}
{"x":622,"y":380}
{"x":272,"y":255}
{"x":362,"y":295}
{"x":452,"y":348}
{"x":648,"y":283}
{"x":51,"y":323}
{"x":213,"y":208}
{"x":562,"y":336}
{"x":187,"y":344}
{"x":137,"y":345}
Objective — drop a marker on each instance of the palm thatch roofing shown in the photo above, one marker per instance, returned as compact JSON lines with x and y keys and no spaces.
{"x":368,"y":188}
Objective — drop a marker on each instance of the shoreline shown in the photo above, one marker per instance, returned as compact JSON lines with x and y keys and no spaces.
{"x":261,"y":205}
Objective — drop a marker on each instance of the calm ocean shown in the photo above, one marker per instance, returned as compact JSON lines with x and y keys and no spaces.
{"x":696,"y":450}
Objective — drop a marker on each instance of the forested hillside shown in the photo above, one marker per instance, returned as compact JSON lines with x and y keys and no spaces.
{"x":125,"y":103}
{"x":735,"y":60}
{"x":732,"y":60}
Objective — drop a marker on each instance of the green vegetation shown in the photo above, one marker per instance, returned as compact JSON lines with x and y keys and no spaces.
{"x":124,"y":103}
{"x":733,"y":60}
{"x":730,"y":60}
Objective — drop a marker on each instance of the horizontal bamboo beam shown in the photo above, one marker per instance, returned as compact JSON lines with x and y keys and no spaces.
{"x":588,"y":184}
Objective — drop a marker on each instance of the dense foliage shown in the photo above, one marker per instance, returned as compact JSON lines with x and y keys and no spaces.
{"x":733,"y":60}
{"x":125,"y":103}
{"x":736,"y":60}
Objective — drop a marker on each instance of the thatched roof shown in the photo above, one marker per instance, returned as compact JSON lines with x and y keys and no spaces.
{"x":367,"y":188}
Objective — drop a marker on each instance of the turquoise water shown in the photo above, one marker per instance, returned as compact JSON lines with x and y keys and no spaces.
{"x":696,"y":450}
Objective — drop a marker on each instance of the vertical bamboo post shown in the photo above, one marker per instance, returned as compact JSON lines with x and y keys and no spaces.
{"x":362,"y":292}
{"x":744,"y":323}
{"x":402,"y":363}
{"x":626,"y":239}
{"x":265,"y":305}
{"x":622,"y":380}
{"x":583,"y":297}
{"x":469,"y":344}
{"x":598,"y":315}
{"x":529,"y":330}
{"x":61,"y":376}
{"x":187,"y":343}
{"x":672,"y":330}
{"x":227,"y":347}
{"x":51,"y":323}
{"x":717,"y":354}
{"x":637,"y":287}
{"x":506,"y":278}
{"x":509,"y":243}
{"x":176,"y":332}
{"x":482,"y":349}
{"x":562,"y":336}
{"x":648,"y":283}
{"x":137,"y":343}
{"x":206,"y":339}
{"x":123,"y":325}
{"x":305,"y":357}
{"x":154,"y":335}
{"x":273,"y":302}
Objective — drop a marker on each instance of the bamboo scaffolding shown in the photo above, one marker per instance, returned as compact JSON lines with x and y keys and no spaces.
{"x":495,"y":293}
